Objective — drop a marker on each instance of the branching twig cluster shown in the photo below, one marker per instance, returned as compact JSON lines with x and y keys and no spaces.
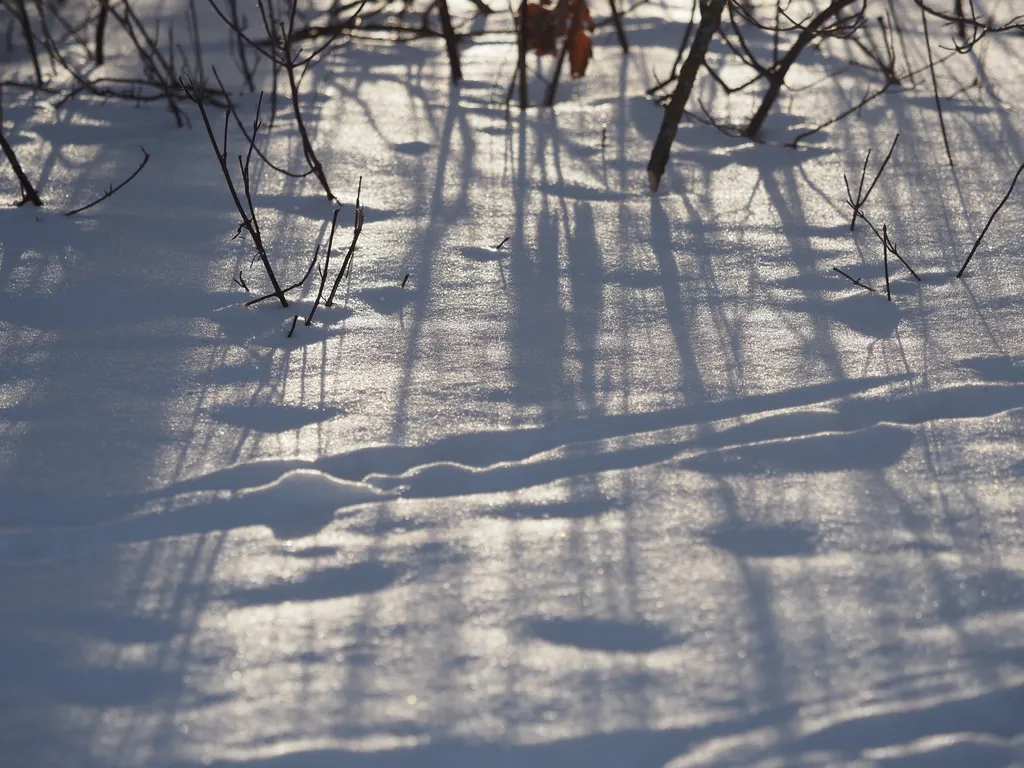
{"x":767,"y":40}
{"x":246,"y":211}
{"x":862,"y":196}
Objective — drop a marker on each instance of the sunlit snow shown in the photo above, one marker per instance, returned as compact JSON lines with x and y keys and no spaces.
{"x":648,"y":485}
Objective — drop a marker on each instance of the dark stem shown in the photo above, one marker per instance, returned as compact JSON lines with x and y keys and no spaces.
{"x":326,"y":267}
{"x":521,"y":64}
{"x":892,"y":246}
{"x":854,"y":280}
{"x":961,"y":25}
{"x":778,"y":74}
{"x":243,"y":62}
{"x":293,"y":286}
{"x":620,"y":31}
{"x":863,"y":198}
{"x":101,"y":26}
{"x":30,"y":41}
{"x":197,"y":45}
{"x":245,"y":133}
{"x":110,"y":192}
{"x":346,"y":264}
{"x":860,"y":189}
{"x":549,"y":97}
{"x":307,"y":146}
{"x":711,"y":13}
{"x":885,"y":260}
{"x":990,"y":220}
{"x":892,"y":249}
{"x":450,"y":41}
{"x":935,"y":87}
{"x":249,"y":223}
{"x":28,"y":192}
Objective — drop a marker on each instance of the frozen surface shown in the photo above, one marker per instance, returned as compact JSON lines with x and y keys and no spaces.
{"x":650,"y":485}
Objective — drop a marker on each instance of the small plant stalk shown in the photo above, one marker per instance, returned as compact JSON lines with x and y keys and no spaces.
{"x":326,"y":266}
{"x":862,"y":197}
{"x":346,"y":264}
{"x":110,"y":192}
{"x":249,"y":222}
{"x":935,"y":88}
{"x":885,"y":261}
{"x":854,"y":280}
{"x":990,"y":220}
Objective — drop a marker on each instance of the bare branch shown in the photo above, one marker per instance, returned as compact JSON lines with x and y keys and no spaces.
{"x":110,"y":192}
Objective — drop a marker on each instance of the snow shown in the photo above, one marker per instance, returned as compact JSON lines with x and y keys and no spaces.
{"x":649,"y":485}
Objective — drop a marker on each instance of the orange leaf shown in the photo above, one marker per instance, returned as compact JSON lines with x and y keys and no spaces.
{"x":580,"y":48}
{"x":585,"y":21}
{"x":580,"y":52}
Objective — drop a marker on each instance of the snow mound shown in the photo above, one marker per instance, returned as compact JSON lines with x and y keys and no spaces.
{"x":311,"y":489}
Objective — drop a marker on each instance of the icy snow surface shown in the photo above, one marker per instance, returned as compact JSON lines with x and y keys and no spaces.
{"x":650,"y":485}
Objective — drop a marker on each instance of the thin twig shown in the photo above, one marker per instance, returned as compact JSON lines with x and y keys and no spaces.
{"x":862,"y":197}
{"x":249,"y":223}
{"x":356,"y":231}
{"x":990,"y":220}
{"x":878,"y":175}
{"x":885,"y":261}
{"x":521,"y":61}
{"x":291,"y":287}
{"x":854,"y":280}
{"x":245,"y":133}
{"x":112,"y":190}
{"x":892,"y":246}
{"x":860,"y":189}
{"x":894,"y":252}
{"x":326,"y":267}
{"x":346,"y":264}
{"x":451,"y":42}
{"x":842,"y":115}
{"x":620,"y":31}
{"x":26,"y":29}
{"x":28,"y":192}
{"x":935,"y":87}
{"x":549,"y":97}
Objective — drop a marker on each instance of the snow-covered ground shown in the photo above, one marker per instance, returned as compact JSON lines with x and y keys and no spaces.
{"x":651,"y":485}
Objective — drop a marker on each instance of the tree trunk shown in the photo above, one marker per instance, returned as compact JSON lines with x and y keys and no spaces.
{"x":710,"y":13}
{"x":778,"y":74}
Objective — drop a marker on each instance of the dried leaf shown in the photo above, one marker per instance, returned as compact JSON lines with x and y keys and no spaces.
{"x":540,"y":30}
{"x":580,"y":48}
{"x":544,"y":28}
{"x":580,"y":52}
